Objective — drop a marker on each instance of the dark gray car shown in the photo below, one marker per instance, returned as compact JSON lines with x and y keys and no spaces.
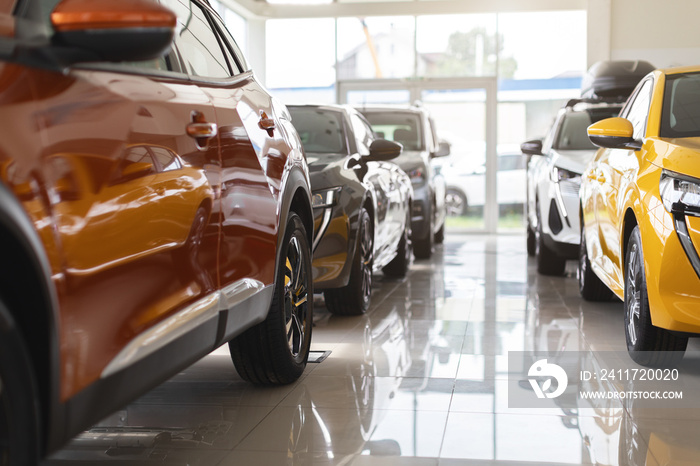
{"x":415,"y":130}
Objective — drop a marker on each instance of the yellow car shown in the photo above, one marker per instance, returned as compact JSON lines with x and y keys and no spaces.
{"x":640,"y":208}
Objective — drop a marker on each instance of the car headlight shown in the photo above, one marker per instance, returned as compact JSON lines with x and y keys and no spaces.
{"x":558,"y":174}
{"x":679,"y":193}
{"x":325,"y":198}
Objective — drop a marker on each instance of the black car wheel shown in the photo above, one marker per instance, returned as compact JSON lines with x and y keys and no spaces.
{"x":399,"y":265}
{"x":548,"y":262}
{"x":647,"y":344}
{"x":589,"y":285}
{"x":275,"y":351}
{"x":19,"y":424}
{"x":531,"y":238}
{"x":423,"y":247}
{"x":354,"y":298}
{"x":455,"y":203}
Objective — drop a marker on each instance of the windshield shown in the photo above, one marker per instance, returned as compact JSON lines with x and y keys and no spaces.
{"x":320,"y":130}
{"x":680,"y":117}
{"x":401,"y":127}
{"x":573,"y":133}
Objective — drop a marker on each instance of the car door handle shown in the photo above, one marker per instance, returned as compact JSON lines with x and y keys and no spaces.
{"x":266,"y":123}
{"x":202,"y":130}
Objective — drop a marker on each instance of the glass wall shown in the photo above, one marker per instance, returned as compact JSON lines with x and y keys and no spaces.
{"x":457,"y":45}
{"x":536,"y":76}
{"x":376,"y":48}
{"x":300,"y":54}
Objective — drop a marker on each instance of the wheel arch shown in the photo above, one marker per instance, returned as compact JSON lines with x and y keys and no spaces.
{"x":295,"y":196}
{"x":34,"y":312}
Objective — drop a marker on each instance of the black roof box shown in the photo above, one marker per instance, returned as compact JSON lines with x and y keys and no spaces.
{"x":613,"y":79}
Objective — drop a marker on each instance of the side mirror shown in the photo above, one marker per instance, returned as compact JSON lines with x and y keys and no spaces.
{"x":613,"y":133}
{"x":384,"y":150}
{"x":444,"y":149}
{"x":113,"y":30}
{"x":532,"y":147}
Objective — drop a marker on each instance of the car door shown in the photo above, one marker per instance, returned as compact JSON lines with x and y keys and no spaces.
{"x":120,"y":273}
{"x":616,"y":169}
{"x":252,"y":148}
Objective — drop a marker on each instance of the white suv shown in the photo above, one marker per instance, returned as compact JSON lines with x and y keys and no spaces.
{"x":553,"y":181}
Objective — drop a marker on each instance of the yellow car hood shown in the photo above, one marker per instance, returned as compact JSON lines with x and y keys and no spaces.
{"x":680,"y":155}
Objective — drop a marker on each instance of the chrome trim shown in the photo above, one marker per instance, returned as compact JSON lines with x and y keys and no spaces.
{"x":182,"y":323}
{"x":323,"y":227}
{"x":686,"y":242}
{"x":560,"y":201}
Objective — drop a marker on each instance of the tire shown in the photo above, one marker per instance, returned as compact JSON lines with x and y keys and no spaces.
{"x":399,"y":265}
{"x":440,"y":235}
{"x":275,"y":351}
{"x":354,"y":298}
{"x":455,"y":203}
{"x":548,"y":262}
{"x":423,"y":247}
{"x":646,"y":344}
{"x":589,"y":285}
{"x":531,"y":238}
{"x":19,"y":416}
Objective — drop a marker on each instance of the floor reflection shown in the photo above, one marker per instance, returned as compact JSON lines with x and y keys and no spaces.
{"x":421,"y":379}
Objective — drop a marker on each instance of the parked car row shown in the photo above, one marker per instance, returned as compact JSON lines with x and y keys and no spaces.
{"x":158,"y":203}
{"x":636,"y":210}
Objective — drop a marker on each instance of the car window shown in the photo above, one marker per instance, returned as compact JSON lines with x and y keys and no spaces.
{"x":549,"y":139}
{"x":364,"y":134}
{"x":401,"y":127}
{"x":166,"y":159}
{"x":680,"y":116}
{"x":137,"y":162}
{"x":637,"y":110}
{"x":320,"y":130}
{"x":238,"y":59}
{"x":572,"y":133}
{"x":195,"y":40}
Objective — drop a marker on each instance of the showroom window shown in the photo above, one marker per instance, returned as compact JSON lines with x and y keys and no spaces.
{"x":300,"y":53}
{"x":457,"y":45}
{"x":526,"y":36}
{"x":376,"y":48}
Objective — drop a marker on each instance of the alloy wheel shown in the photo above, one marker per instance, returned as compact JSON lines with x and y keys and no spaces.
{"x":296,"y":295}
{"x":367,"y":258}
{"x":633,"y":294}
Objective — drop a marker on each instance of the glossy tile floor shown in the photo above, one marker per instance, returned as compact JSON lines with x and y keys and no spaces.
{"x":421,"y":379}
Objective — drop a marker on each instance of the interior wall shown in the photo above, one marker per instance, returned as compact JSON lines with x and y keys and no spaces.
{"x":663,"y":33}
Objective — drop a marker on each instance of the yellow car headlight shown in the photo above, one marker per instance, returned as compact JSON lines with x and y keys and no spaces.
{"x":680,"y":193}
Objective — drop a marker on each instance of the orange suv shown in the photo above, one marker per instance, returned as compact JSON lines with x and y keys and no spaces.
{"x":155,"y":204}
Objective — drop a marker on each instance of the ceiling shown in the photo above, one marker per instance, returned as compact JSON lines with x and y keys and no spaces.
{"x":340,"y":8}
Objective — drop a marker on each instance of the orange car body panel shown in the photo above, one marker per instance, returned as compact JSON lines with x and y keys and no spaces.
{"x":115,"y":243}
{"x":70,"y":15}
